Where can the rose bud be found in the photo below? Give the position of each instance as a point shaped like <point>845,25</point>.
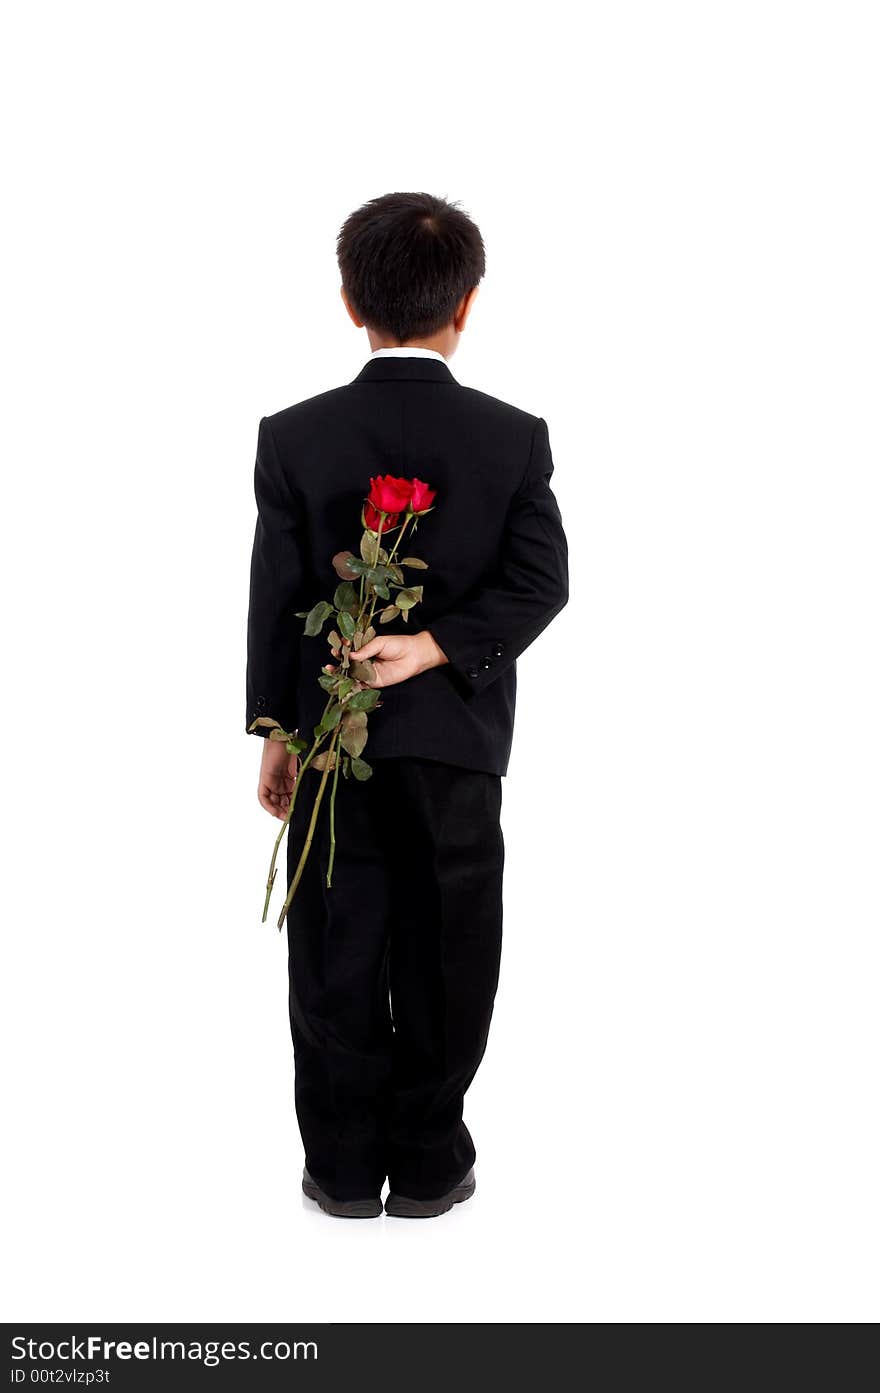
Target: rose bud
<point>373,519</point>
<point>421,497</point>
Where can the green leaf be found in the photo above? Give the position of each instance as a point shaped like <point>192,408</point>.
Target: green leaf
<point>265,723</point>
<point>316,617</point>
<point>346,766</point>
<point>278,735</point>
<point>327,680</point>
<point>322,760</point>
<point>346,624</point>
<point>345,687</point>
<point>341,565</point>
<point>302,614</point>
<point>345,596</point>
<point>405,599</point>
<point>388,613</point>
<point>368,634</point>
<point>416,562</point>
<point>299,745</point>
<point>363,672</point>
<point>364,701</point>
<point>382,591</point>
<point>353,741</point>
<point>354,732</point>
<point>361,770</point>
<point>330,719</point>
<point>396,574</point>
<point>333,639</point>
<point>405,616</point>
<point>368,549</point>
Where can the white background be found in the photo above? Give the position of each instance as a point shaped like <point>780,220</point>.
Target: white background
<point>677,1116</point>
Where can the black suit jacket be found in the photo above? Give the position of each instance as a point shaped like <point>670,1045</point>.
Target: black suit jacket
<point>494,544</point>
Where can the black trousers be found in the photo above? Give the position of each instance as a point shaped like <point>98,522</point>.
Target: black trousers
<point>393,973</point>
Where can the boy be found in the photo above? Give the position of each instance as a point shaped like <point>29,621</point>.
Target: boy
<point>393,971</point>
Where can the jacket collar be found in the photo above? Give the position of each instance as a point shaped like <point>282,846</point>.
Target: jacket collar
<point>404,369</point>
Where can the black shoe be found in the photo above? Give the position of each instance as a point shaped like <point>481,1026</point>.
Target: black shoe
<point>341,1209</point>
<point>400,1207</point>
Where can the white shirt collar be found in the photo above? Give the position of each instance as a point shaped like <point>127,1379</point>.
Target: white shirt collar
<point>405,352</point>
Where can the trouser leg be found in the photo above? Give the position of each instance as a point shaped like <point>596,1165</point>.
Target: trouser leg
<point>338,970</point>
<point>444,965</point>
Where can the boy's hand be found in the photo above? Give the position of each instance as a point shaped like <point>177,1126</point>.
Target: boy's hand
<point>399,656</point>
<point>278,774</point>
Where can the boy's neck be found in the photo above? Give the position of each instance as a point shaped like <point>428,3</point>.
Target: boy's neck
<point>444,342</point>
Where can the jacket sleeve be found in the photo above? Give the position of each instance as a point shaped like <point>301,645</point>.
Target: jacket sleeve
<point>498,620</point>
<point>276,583</point>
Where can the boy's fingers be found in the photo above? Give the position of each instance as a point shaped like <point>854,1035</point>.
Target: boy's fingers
<point>375,645</point>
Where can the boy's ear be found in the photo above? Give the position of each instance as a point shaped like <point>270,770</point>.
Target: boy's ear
<point>353,315</point>
<point>465,305</point>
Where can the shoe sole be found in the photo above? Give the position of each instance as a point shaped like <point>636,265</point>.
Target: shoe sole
<point>342,1209</point>
<point>400,1207</point>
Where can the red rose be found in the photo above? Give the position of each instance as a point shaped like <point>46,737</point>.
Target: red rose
<point>421,497</point>
<point>372,518</point>
<point>389,495</point>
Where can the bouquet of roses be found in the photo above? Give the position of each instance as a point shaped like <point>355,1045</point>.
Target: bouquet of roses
<point>373,580</point>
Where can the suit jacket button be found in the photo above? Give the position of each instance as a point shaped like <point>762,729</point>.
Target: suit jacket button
<point>472,671</point>
<point>498,650</point>
<point>485,661</point>
<point>261,703</point>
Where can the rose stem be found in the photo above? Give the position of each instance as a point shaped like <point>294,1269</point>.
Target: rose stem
<point>332,858</point>
<point>310,833</point>
<point>390,558</point>
<point>409,518</point>
<point>303,766</point>
<point>364,599</point>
